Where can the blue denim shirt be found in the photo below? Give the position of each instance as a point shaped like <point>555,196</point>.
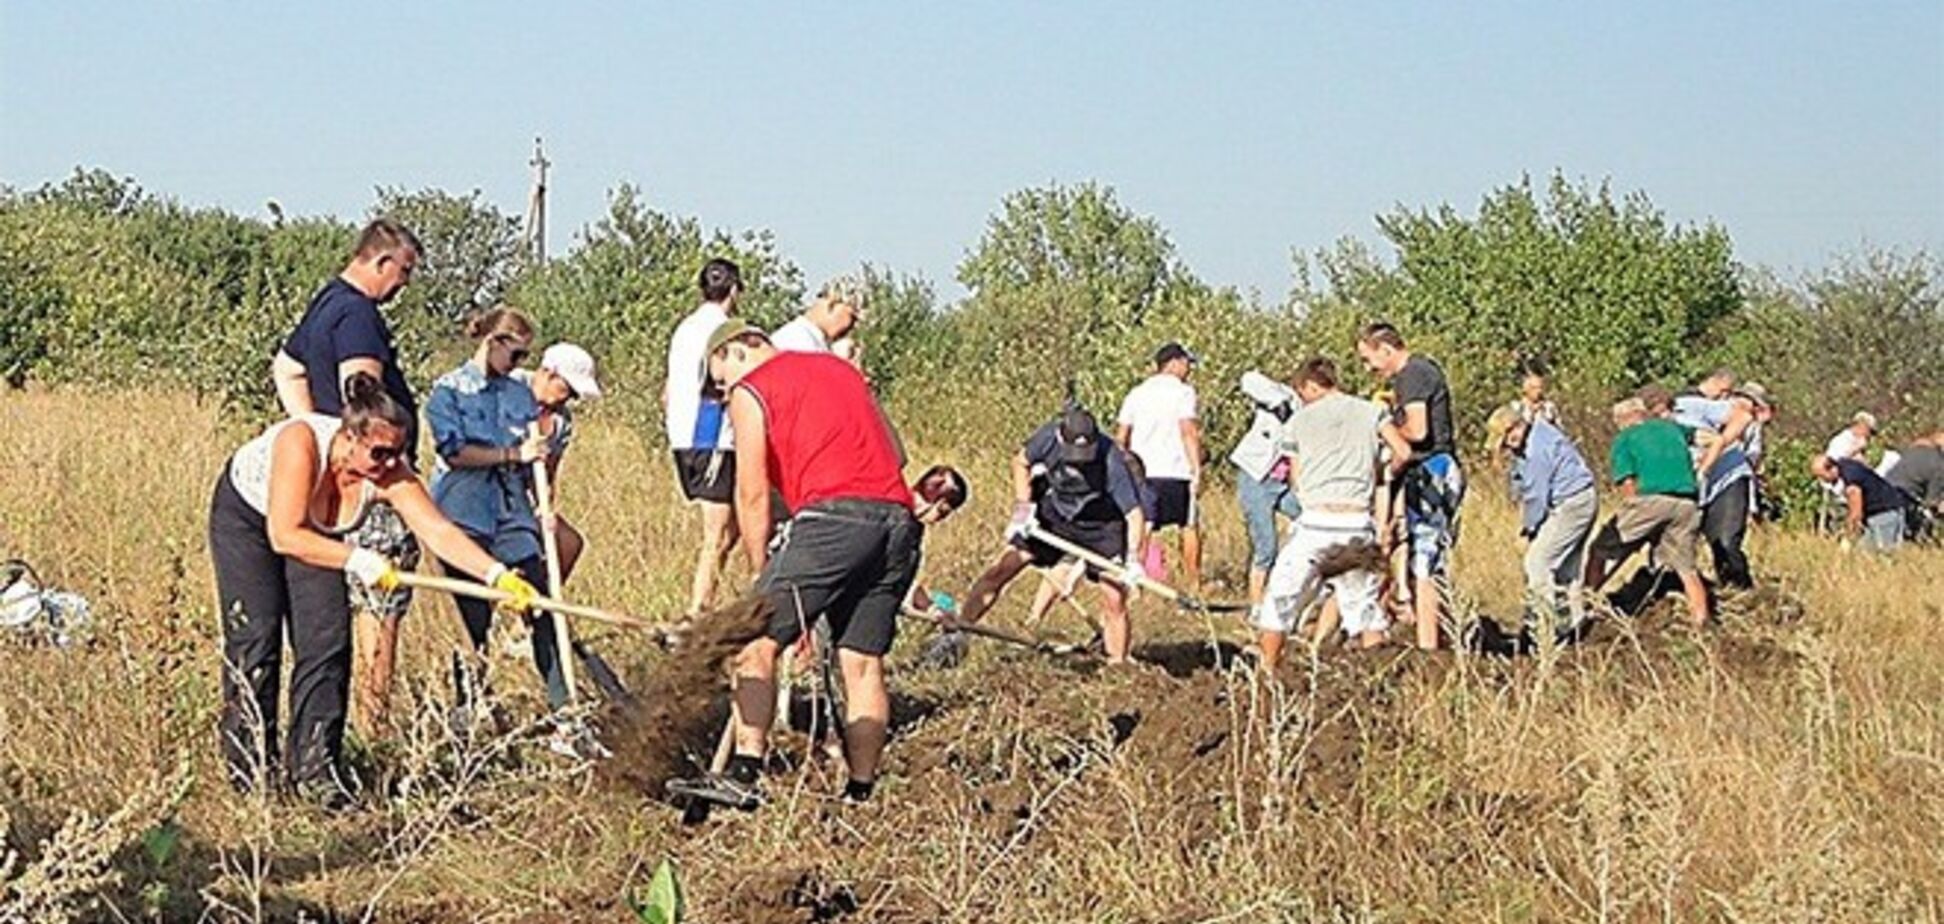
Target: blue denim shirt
<point>1550,470</point>
<point>493,505</point>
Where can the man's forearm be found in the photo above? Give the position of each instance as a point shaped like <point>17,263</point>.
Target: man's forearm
<point>752,516</point>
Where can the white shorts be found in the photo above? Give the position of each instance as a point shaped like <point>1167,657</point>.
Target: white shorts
<point>1290,591</point>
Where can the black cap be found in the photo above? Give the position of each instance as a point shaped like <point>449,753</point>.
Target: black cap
<point>1172,351</point>
<point>1079,436</point>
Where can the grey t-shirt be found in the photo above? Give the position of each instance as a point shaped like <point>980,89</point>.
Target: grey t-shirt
<point>1920,474</point>
<point>1336,440</point>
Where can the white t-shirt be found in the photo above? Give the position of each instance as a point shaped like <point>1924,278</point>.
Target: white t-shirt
<point>1844,445</point>
<point>1153,412</point>
<point>685,378</point>
<point>800,336</point>
<point>1336,439</point>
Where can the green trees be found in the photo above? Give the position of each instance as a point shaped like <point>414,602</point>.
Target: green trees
<point>1602,289</point>
<point>101,281</point>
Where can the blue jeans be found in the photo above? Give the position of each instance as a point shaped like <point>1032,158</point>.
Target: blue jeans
<point>1261,500</point>
<point>1883,531</point>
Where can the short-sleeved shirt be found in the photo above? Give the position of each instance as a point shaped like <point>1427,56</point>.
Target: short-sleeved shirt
<point>1101,491</point>
<point>1878,495</point>
<point>800,336</point>
<point>492,504</point>
<point>1846,444</point>
<point>1422,381</point>
<point>1920,474</point>
<point>1695,411</point>
<point>1336,440</point>
<point>694,421</point>
<point>1654,453</point>
<point>1153,412</point>
<point>340,324</point>
<point>827,438</point>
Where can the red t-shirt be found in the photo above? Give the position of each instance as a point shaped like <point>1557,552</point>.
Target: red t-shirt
<point>827,438</point>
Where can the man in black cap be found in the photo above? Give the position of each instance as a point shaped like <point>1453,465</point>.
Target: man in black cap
<point>1072,481</point>
<point>1160,423</point>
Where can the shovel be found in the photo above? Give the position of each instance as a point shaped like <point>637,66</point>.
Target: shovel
<point>1115,572</point>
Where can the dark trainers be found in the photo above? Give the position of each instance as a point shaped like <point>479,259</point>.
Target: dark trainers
<point>718,789</point>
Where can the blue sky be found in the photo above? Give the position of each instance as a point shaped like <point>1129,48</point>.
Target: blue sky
<point>889,132</point>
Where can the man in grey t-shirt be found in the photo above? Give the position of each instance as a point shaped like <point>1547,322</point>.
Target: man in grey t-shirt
<point>1337,439</point>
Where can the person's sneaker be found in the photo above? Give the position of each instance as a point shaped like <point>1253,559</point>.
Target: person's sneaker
<point>718,789</point>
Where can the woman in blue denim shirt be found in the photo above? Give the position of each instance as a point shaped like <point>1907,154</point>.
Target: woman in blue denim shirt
<point>479,415</point>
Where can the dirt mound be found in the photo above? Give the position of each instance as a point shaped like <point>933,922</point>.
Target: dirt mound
<point>670,726</point>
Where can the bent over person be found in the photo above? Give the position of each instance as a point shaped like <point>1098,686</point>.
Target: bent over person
<point>806,424</point>
<point>276,525</point>
<point>1073,482</point>
<point>1337,439</point>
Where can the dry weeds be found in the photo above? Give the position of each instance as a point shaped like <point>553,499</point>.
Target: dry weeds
<point>1788,765</point>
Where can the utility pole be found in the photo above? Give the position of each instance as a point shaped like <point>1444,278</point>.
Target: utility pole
<point>536,217</point>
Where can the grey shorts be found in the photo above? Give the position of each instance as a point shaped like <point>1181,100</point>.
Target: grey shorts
<point>851,561</point>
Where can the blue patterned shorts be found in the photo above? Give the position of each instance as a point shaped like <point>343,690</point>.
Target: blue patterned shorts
<point>1433,491</point>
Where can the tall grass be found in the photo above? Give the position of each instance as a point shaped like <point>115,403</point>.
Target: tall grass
<point>1788,765</point>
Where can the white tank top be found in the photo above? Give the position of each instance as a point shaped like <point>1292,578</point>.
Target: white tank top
<point>250,469</point>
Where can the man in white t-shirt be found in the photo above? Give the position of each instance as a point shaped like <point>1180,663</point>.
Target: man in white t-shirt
<point>826,325</point>
<point>1334,440</point>
<point>698,427</point>
<point>1160,423</point>
<point>1849,442</point>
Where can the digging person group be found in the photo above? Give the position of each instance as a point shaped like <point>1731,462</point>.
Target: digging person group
<point>783,451</point>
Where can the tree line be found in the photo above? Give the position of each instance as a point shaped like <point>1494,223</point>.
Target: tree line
<point>105,283</point>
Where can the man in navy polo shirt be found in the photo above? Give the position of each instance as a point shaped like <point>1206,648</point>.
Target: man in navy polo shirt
<point>341,334</point>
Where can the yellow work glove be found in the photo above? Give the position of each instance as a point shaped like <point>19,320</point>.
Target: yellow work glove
<point>523,593</point>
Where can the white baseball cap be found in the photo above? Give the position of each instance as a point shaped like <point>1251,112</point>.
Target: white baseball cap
<point>574,364</point>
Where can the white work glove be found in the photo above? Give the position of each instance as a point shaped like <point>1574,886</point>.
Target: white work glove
<point>1131,574</point>
<point>532,448</point>
<point>371,569</point>
<point>1022,521</point>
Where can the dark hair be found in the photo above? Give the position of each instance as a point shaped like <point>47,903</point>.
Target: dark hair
<point>1533,366</point>
<point>719,279</point>
<point>1318,371</point>
<point>1381,333</point>
<point>955,490</point>
<point>366,402</point>
<point>383,236</point>
<point>500,319</point>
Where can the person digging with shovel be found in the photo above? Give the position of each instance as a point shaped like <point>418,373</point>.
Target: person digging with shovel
<point>1338,438</point>
<point>808,424</point>
<point>277,523</point>
<point>1091,500</point>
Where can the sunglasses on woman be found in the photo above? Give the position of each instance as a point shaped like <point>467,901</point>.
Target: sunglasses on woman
<point>385,455</point>
<point>518,354</point>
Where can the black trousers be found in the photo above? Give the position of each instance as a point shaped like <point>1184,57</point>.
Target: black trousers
<point>1724,523</point>
<point>262,596</point>
<point>477,615</point>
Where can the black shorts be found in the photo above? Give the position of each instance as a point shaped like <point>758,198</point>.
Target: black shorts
<point>1108,540</point>
<point>852,561</point>
<point>706,474</point>
<point>1174,502</point>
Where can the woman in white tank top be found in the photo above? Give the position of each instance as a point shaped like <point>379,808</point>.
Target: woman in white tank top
<point>276,523</point>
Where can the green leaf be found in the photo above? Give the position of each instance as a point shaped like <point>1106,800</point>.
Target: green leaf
<point>663,903</point>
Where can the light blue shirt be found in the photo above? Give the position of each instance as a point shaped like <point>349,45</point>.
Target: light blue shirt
<point>1696,412</point>
<point>493,505</point>
<point>1548,471</point>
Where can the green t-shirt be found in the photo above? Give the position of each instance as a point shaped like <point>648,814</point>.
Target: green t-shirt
<point>1655,454</point>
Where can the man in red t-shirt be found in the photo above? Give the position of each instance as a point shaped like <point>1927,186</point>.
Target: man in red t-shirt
<point>807,424</point>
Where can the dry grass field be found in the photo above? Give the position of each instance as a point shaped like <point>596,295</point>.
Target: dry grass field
<point>1787,765</point>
